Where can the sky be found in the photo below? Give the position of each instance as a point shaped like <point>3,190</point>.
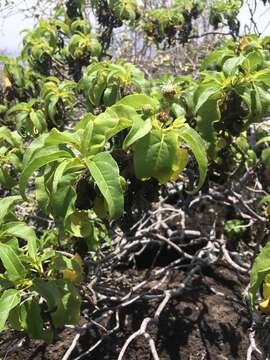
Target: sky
<point>10,33</point>
<point>11,37</point>
<point>261,17</point>
<point>11,27</point>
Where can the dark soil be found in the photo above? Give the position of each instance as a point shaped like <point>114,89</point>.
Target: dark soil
<point>210,321</point>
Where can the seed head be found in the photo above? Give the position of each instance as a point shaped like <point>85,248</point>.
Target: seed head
<point>147,108</point>
<point>169,90</point>
<point>163,117</point>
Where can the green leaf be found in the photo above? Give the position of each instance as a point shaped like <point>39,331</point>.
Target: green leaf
<point>125,115</point>
<point>38,120</point>
<point>107,124</point>
<point>6,204</point>
<point>216,58</point>
<point>56,137</point>
<point>9,137</point>
<point>256,104</point>
<point>157,155</point>
<point>104,170</point>
<point>13,265</point>
<point>263,140</point>
<point>139,129</point>
<point>137,101</point>
<point>96,91</point>
<point>266,158</point>
<point>110,95</point>
<point>51,107</point>
<point>207,116</point>
<point>104,125</point>
<point>48,291</point>
<point>79,224</point>
<point>231,65</point>
<point>198,148</point>
<point>9,299</point>
<point>87,138</point>
<point>63,301</point>
<point>58,174</point>
<point>69,305</point>
<point>24,232</point>
<point>83,122</point>
<point>6,180</point>
<point>32,322</point>
<point>34,146</point>
<point>263,76</point>
<point>260,268</point>
<point>62,201</point>
<point>42,196</point>
<point>204,94</point>
<point>71,268</point>
<point>253,61</point>
<point>40,158</point>
<point>263,201</point>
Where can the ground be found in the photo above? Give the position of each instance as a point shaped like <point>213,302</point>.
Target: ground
<point>210,321</point>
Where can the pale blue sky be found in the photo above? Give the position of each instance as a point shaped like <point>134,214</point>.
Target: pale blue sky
<point>10,37</point>
<point>12,25</point>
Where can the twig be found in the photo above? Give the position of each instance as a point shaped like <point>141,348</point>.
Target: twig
<point>72,347</point>
<point>147,321</point>
<point>252,347</point>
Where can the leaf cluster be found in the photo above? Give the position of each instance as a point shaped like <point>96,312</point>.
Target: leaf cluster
<point>71,148</point>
